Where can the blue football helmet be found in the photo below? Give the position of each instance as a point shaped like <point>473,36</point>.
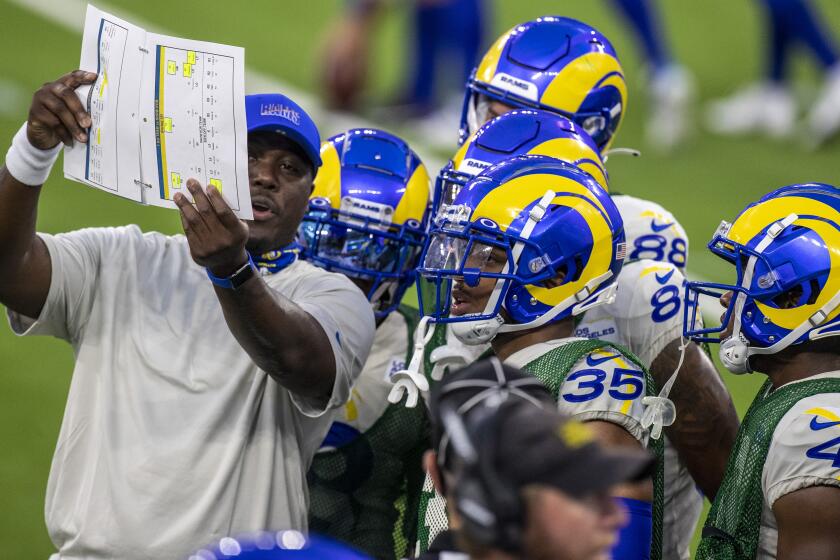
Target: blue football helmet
<point>553,63</point>
<point>519,132</point>
<point>786,253</point>
<point>368,213</point>
<point>548,218</point>
<point>282,545</point>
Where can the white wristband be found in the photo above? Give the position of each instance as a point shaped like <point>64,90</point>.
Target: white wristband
<point>28,164</point>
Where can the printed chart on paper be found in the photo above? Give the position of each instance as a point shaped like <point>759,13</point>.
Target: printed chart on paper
<point>194,102</point>
<point>112,44</point>
<point>163,110</point>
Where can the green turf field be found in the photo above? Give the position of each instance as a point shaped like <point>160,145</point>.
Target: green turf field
<point>709,179</point>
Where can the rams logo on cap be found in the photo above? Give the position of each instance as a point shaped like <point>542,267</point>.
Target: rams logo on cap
<point>280,110</point>
<point>574,434</point>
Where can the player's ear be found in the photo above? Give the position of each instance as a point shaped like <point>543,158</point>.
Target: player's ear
<point>557,280</point>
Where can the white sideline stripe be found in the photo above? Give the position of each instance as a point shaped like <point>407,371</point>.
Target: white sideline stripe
<point>70,14</point>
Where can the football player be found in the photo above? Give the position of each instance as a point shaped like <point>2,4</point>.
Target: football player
<point>645,315</point>
<point>670,85</point>
<point>581,78</point>
<point>518,132</point>
<point>524,248</point>
<point>367,219</point>
<point>553,63</point>
<point>780,497</point>
<point>769,106</point>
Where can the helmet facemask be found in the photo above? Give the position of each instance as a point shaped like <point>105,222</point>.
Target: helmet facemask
<point>447,186</point>
<point>761,287</point>
<point>366,248</point>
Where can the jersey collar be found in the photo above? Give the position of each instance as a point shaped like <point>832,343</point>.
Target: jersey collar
<point>273,262</point>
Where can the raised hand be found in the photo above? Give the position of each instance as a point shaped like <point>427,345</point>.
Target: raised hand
<point>216,236</point>
<point>56,114</point>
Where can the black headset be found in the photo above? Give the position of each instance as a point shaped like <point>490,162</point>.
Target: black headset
<point>490,505</point>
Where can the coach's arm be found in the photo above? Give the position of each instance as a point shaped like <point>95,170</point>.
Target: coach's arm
<point>55,116</point>
<point>283,340</point>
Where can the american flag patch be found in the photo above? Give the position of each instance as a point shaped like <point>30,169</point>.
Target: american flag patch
<point>621,252</point>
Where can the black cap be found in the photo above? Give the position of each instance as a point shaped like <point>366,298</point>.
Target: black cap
<point>539,446</point>
<point>509,417</point>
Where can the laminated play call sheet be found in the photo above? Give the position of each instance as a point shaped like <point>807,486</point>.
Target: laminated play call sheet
<point>163,110</point>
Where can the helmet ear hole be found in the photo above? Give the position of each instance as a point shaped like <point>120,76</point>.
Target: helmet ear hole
<point>790,298</point>
<point>559,279</point>
<point>802,294</point>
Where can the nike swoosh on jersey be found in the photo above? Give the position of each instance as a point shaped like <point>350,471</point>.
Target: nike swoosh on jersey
<point>817,426</point>
<point>665,277</point>
<point>592,361</point>
<point>659,227</point>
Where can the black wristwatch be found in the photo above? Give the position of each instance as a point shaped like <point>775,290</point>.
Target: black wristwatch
<point>235,280</point>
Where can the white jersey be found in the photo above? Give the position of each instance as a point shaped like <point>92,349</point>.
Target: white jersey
<point>172,438</point>
<point>804,452</point>
<point>647,315</point>
<point>651,232</point>
<point>369,395</point>
<point>600,386</point>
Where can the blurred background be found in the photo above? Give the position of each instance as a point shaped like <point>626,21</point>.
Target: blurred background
<point>706,177</point>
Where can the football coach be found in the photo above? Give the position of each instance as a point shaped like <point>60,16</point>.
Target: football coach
<point>205,364</point>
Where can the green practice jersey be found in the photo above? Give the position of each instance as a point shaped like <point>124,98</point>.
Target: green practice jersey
<point>365,482</point>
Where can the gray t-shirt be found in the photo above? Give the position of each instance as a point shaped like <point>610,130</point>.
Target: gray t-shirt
<point>171,436</point>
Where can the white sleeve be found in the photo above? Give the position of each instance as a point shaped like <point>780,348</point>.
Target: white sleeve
<point>346,316</point>
<point>805,450</point>
<point>605,386</point>
<point>648,308</point>
<point>76,261</point>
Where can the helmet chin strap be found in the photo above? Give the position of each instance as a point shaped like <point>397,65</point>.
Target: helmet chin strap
<point>411,381</point>
<point>735,351</point>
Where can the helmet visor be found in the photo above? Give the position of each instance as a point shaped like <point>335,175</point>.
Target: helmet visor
<point>358,250</point>
<point>454,255</point>
<point>449,185</point>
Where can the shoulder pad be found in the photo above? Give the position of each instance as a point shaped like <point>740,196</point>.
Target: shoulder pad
<point>805,450</point>
<point>641,284</point>
<point>651,231</point>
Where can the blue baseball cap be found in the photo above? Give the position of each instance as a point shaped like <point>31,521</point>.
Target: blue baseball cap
<point>275,111</point>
